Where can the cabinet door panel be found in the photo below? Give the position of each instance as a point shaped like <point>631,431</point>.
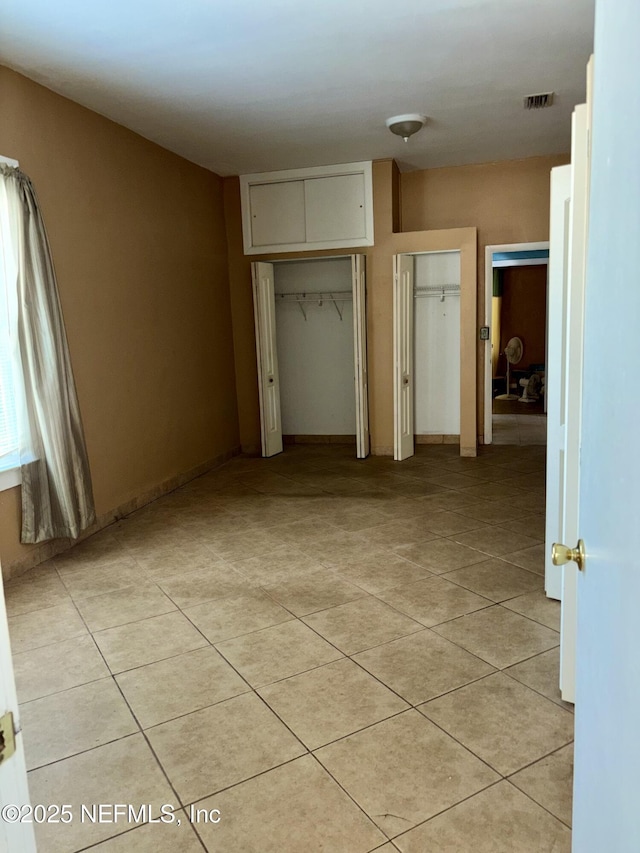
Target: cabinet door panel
<point>277,213</point>
<point>335,208</point>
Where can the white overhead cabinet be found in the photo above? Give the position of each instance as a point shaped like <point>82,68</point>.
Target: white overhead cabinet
<point>328,207</point>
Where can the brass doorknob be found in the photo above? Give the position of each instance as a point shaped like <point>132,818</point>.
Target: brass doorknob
<point>560,554</point>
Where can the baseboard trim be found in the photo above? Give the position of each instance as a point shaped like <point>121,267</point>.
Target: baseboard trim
<point>437,438</point>
<point>319,439</point>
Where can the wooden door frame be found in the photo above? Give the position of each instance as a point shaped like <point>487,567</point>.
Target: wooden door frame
<point>488,295</point>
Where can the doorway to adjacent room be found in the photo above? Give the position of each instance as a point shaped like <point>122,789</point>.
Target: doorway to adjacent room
<point>515,363</point>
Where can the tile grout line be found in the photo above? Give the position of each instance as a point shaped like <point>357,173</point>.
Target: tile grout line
<point>366,593</point>
<point>452,806</point>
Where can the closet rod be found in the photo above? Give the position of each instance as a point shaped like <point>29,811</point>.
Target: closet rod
<point>442,291</point>
<point>334,296</point>
<point>438,288</point>
<point>318,298</point>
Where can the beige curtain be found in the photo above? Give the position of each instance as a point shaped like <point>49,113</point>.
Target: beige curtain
<point>57,497</point>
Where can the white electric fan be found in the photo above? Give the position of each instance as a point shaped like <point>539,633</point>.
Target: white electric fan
<point>513,353</point>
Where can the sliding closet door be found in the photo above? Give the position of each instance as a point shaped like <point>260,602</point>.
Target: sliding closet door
<point>264,311</point>
<point>360,355</point>
<point>403,276</point>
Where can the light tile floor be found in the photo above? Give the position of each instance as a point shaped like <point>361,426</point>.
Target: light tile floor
<point>338,655</point>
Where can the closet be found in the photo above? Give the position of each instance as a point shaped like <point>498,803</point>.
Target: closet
<point>426,349</point>
<point>311,345</point>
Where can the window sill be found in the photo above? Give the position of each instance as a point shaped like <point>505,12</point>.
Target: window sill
<point>9,478</point>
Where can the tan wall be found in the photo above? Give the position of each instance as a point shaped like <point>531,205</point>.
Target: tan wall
<point>507,202</point>
<point>379,310</point>
<point>139,244</point>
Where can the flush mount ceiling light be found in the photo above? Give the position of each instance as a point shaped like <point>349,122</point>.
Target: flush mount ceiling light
<point>406,125</point>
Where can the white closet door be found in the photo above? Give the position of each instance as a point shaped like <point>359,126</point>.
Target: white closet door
<point>360,355</point>
<point>264,310</point>
<point>403,276</point>
<point>555,391</point>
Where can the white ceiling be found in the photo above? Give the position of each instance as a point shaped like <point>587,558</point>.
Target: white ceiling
<point>253,85</point>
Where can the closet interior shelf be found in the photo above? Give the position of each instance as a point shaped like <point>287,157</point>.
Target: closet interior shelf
<point>440,290</point>
<point>336,298</point>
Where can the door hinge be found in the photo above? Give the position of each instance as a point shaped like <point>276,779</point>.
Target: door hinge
<point>7,737</point>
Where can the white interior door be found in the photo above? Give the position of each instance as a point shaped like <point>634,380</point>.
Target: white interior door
<point>607,749</point>
<point>578,222</point>
<point>360,355</point>
<point>555,391</point>
<point>403,384</point>
<point>15,837</point>
<point>264,310</point>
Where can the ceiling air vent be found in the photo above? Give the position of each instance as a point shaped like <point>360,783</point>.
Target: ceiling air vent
<point>538,102</point>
